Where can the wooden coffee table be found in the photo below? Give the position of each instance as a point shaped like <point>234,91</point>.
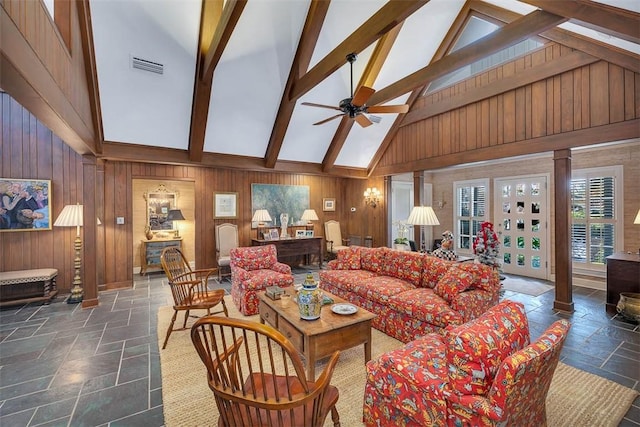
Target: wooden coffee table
<point>319,338</point>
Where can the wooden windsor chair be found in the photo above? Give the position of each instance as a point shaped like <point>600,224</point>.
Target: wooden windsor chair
<point>189,288</point>
<point>257,376</point>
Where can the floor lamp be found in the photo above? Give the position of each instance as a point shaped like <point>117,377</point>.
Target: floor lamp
<point>422,215</point>
<point>71,216</point>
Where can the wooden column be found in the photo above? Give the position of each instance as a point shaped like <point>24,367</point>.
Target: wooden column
<point>562,199</point>
<point>89,231</point>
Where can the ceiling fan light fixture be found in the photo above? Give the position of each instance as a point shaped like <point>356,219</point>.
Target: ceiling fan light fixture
<point>355,107</point>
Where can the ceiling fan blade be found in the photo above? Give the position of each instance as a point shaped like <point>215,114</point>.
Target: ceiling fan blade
<point>311,104</point>
<point>362,95</point>
<point>388,108</point>
<point>363,120</point>
<point>329,119</point>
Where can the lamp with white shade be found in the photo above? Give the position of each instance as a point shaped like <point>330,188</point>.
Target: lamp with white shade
<point>309,215</point>
<point>71,216</point>
<point>422,215</point>
<point>261,216</point>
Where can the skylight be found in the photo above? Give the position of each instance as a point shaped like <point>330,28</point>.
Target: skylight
<point>475,29</point>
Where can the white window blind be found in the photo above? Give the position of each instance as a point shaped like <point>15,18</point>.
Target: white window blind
<point>595,228</point>
<point>470,208</point>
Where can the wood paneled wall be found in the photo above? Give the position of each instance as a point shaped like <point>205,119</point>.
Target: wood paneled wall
<point>508,118</point>
<point>122,242</point>
<point>28,150</point>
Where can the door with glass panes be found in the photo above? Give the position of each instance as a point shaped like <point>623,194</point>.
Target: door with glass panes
<point>521,215</point>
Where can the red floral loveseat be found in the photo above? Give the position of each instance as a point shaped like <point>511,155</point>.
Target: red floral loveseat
<point>482,373</point>
<point>253,269</point>
<point>412,294</point>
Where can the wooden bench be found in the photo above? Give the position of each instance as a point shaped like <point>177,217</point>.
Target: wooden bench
<point>23,286</point>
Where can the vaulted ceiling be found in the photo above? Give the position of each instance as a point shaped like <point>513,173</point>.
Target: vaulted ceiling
<point>234,73</point>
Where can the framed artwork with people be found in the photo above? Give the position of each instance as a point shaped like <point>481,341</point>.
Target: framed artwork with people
<point>24,204</point>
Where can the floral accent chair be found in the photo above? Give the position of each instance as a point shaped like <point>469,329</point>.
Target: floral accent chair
<point>481,373</point>
<point>252,270</point>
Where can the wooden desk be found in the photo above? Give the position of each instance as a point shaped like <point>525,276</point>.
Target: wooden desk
<point>294,247</point>
<point>623,275</point>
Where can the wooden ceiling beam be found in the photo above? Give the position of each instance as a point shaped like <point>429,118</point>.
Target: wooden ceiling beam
<point>368,78</point>
<point>91,72</point>
<point>308,39</point>
<point>596,48</point>
<point>390,15</point>
<point>446,45</point>
<point>621,131</point>
<point>520,29</point>
<point>211,45</point>
<point>125,152</point>
<point>568,62</point>
<point>611,20</point>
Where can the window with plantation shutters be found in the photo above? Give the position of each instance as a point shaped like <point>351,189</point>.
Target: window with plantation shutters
<point>471,211</point>
<point>595,194</point>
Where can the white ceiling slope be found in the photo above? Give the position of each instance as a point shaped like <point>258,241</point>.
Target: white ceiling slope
<point>144,108</point>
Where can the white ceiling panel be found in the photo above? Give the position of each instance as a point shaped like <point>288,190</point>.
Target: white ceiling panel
<point>141,107</point>
<point>249,80</point>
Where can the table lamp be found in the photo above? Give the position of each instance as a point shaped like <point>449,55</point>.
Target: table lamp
<point>175,215</point>
<point>71,216</point>
<point>422,215</point>
<point>309,215</point>
<point>261,216</point>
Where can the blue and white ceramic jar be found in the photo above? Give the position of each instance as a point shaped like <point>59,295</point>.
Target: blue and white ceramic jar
<point>310,299</point>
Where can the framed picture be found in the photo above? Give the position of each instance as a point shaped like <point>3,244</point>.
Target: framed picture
<point>329,205</point>
<point>300,233</point>
<point>273,234</point>
<point>25,204</point>
<point>266,235</point>
<point>308,233</point>
<point>225,205</point>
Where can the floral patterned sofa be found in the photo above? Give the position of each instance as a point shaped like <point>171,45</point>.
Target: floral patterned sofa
<point>253,269</point>
<point>482,373</point>
<point>412,294</point>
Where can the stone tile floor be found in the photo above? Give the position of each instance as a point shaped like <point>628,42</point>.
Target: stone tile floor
<point>64,366</point>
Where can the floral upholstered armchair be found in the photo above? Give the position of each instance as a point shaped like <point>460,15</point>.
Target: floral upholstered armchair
<point>482,373</point>
<point>252,270</point>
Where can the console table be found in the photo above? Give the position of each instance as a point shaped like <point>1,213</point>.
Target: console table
<point>623,275</point>
<point>294,247</point>
<point>151,250</point>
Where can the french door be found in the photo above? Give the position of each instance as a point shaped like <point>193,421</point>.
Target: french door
<point>521,212</point>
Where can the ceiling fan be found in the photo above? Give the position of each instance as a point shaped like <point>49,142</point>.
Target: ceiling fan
<point>356,106</point>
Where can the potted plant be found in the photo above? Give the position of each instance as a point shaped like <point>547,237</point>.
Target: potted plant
<point>401,242</point>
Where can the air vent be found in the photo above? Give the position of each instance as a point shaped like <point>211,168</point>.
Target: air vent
<point>146,65</point>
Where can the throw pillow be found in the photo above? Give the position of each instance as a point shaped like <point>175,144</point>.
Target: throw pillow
<point>484,277</point>
<point>476,349</point>
<point>453,282</point>
<point>349,259</point>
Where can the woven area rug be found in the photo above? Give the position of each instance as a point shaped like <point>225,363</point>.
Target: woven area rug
<point>576,398</point>
<point>526,285</point>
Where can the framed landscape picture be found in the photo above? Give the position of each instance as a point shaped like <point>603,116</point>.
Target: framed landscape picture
<point>24,204</point>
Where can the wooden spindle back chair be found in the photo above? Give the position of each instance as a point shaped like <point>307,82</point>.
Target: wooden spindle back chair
<point>189,288</point>
<point>257,376</point>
